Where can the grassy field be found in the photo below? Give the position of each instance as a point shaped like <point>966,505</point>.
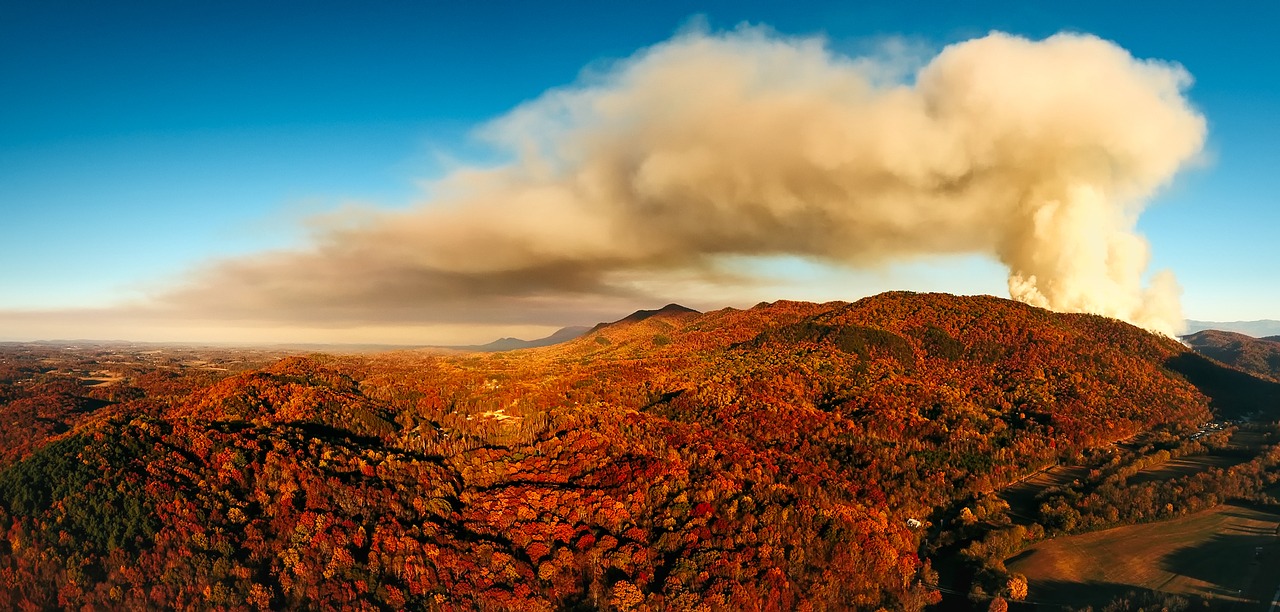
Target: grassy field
<point>1021,497</point>
<point>1185,466</point>
<point>1211,555</point>
<point>1244,444</point>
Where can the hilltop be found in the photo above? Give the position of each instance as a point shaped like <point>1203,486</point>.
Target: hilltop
<point>793,453</point>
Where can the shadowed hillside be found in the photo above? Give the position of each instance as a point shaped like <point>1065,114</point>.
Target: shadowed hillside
<point>1258,356</point>
<point>1234,393</point>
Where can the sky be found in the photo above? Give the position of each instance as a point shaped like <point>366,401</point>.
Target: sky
<point>164,166</point>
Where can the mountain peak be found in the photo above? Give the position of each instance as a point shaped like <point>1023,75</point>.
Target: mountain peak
<point>668,310</point>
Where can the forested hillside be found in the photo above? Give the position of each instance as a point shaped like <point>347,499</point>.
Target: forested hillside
<point>789,456</point>
<point>1258,356</point>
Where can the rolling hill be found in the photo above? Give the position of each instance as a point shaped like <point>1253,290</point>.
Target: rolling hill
<point>1258,356</point>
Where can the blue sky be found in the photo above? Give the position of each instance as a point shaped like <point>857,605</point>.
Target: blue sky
<point>141,139</point>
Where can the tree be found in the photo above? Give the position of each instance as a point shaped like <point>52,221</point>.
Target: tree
<point>1017,587</point>
<point>626,596</point>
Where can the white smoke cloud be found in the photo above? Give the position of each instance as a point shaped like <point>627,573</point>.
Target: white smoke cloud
<point>706,147</point>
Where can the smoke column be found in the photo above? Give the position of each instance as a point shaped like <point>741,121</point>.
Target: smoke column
<point>1040,154</point>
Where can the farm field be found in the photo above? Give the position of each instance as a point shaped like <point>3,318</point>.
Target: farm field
<point>1244,444</point>
<point>1185,466</point>
<point>1021,496</point>
<point>1210,555</point>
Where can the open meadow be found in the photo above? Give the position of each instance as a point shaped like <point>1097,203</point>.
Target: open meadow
<point>1209,555</point>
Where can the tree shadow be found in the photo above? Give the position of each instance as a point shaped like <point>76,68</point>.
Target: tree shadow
<point>1059,595</point>
<point>1020,556</point>
<point>1225,561</point>
<point>335,436</point>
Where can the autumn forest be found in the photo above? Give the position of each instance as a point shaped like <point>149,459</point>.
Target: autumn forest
<point>898,452</point>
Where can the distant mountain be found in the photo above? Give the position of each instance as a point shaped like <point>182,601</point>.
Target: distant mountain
<point>564,334</point>
<point>1257,329</point>
<point>670,312</point>
<point>1260,356</point>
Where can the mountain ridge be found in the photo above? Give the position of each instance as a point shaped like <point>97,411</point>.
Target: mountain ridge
<point>1258,356</point>
<point>1259,328</point>
<point>563,334</point>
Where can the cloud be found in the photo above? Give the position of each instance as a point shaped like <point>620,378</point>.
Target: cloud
<point>707,148</point>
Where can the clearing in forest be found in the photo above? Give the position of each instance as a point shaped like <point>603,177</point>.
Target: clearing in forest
<point>1212,554</point>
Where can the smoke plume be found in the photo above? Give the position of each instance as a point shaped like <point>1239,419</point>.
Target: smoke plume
<point>706,147</point>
